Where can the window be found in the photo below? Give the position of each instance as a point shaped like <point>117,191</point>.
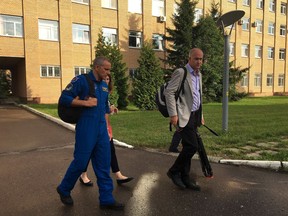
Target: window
<point>259,4</point>
<point>257,80</point>
<point>81,33</point>
<point>281,80</point>
<point>271,28</point>
<point>283,9</point>
<point>81,70</point>
<point>158,43</point>
<point>272,6</point>
<point>109,4</point>
<point>158,8</point>
<point>50,71</point>
<point>245,25</point>
<point>270,52</point>
<point>269,79</point>
<point>110,36</point>
<point>11,26</point>
<point>244,50</point>
<point>135,39</point>
<point>135,6</point>
<point>198,14</point>
<point>48,30</point>
<point>259,26</point>
<point>175,9</point>
<point>233,1</point>
<point>132,72</point>
<point>282,54</point>
<point>246,2</point>
<point>282,30</point>
<point>258,51</point>
<point>232,49</point>
<point>81,1</point>
<point>244,81</point>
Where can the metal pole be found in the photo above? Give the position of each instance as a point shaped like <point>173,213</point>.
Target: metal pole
<point>225,84</point>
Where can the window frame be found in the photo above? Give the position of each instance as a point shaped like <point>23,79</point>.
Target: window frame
<point>272,6</point>
<point>283,30</point>
<point>260,4</point>
<point>269,80</point>
<point>112,38</point>
<point>158,8</point>
<point>161,45</point>
<point>81,69</point>
<point>85,39</point>
<point>132,9</point>
<point>257,79</point>
<point>16,22</point>
<point>271,28</point>
<point>111,4</point>
<point>258,51</point>
<point>138,35</point>
<point>282,54</point>
<point>283,8</point>
<point>270,52</point>
<point>50,71</point>
<point>81,1</point>
<point>281,79</point>
<point>47,27</point>
<point>245,50</point>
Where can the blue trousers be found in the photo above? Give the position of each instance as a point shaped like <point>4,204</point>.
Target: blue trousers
<point>92,142</point>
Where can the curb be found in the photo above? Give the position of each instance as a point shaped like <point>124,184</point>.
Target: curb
<point>67,125</point>
<point>274,165</point>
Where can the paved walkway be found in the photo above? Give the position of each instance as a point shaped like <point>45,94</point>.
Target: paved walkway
<point>35,153</point>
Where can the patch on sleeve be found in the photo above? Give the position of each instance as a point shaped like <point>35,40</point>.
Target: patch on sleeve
<point>74,79</point>
<point>105,89</point>
<point>69,87</point>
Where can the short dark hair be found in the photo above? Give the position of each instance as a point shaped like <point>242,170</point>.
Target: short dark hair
<point>99,61</point>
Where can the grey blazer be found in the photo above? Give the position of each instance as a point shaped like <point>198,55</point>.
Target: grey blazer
<point>183,106</point>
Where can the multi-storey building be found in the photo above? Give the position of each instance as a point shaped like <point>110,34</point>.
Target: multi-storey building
<point>45,43</point>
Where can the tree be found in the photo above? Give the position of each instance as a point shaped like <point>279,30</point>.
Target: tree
<point>118,70</point>
<point>5,83</point>
<point>207,37</point>
<point>148,78</point>
<point>180,37</point>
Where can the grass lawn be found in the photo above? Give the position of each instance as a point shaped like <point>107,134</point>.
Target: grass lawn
<point>257,128</point>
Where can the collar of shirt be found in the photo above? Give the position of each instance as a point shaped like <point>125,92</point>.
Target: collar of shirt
<point>192,71</point>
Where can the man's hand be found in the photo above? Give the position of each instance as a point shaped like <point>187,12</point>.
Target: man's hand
<point>174,120</point>
<point>91,102</point>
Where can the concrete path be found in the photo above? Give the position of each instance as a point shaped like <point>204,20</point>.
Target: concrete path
<point>35,153</point>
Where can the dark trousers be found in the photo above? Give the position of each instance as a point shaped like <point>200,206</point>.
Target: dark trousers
<point>190,146</point>
<point>114,161</point>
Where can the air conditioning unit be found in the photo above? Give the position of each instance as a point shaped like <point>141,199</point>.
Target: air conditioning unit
<point>240,22</point>
<point>254,24</point>
<point>162,18</point>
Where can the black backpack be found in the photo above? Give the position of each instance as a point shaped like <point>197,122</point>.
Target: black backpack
<point>72,114</point>
<point>160,98</point>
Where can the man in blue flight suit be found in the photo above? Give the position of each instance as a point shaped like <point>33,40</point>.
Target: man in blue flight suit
<point>91,139</point>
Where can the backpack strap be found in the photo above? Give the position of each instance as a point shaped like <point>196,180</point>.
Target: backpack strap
<point>182,84</point>
<point>91,86</point>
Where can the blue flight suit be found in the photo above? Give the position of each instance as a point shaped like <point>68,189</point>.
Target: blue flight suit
<point>91,139</point>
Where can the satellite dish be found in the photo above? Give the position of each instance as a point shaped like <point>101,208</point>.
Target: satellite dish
<point>230,18</point>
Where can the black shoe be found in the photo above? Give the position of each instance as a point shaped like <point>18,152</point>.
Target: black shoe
<point>89,184</point>
<point>176,178</point>
<point>122,181</point>
<point>66,200</point>
<point>114,206</point>
<point>191,184</point>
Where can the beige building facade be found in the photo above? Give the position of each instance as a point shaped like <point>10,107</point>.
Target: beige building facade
<point>45,43</point>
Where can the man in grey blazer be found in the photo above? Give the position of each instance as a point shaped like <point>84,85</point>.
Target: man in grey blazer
<point>186,115</point>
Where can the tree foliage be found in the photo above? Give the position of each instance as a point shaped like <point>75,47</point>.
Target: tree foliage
<point>180,37</point>
<point>118,71</point>
<point>5,84</point>
<point>148,78</point>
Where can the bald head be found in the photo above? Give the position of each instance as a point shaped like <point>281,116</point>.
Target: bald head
<point>195,58</point>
